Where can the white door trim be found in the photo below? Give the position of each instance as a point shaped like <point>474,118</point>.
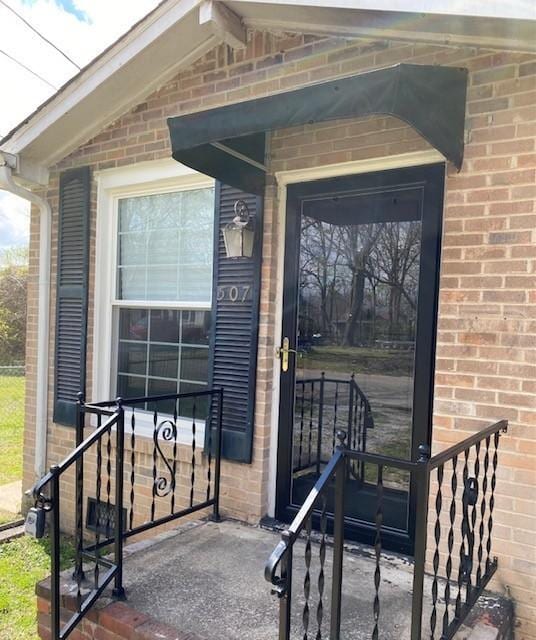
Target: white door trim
<point>284,178</point>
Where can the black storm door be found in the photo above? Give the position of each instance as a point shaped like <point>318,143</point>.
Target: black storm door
<point>359,318</point>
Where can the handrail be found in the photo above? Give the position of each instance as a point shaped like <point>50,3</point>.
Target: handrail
<point>111,520</point>
<point>75,455</point>
<point>143,399</point>
<point>460,447</point>
<point>293,531</point>
<point>377,459</point>
<point>453,588</point>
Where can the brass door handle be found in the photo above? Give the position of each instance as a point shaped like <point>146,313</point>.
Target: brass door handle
<point>282,353</point>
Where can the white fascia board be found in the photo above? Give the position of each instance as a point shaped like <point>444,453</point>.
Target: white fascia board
<point>514,10</point>
<point>97,72</point>
<point>442,29</point>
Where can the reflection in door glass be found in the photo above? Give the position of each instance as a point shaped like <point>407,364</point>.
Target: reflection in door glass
<point>357,312</point>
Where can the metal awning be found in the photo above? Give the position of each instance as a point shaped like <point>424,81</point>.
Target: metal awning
<point>228,143</point>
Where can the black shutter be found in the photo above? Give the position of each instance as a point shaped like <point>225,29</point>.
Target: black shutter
<point>72,293</point>
<point>235,320</point>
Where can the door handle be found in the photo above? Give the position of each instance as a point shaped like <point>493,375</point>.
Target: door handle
<point>282,353</point>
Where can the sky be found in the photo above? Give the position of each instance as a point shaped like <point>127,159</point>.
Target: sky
<point>80,28</point>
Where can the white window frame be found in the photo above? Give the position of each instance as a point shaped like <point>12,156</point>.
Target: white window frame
<point>145,178</point>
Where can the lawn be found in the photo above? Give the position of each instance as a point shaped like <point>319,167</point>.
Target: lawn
<point>360,360</point>
<point>23,562</point>
<point>12,391</point>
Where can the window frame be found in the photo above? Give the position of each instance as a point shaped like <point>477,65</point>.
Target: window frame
<point>146,178</point>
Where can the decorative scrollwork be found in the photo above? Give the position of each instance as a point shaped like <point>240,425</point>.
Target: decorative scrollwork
<point>167,432</point>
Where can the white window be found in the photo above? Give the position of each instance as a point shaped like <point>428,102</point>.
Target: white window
<point>153,283</point>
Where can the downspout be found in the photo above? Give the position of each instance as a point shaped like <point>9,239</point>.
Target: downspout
<point>7,183</point>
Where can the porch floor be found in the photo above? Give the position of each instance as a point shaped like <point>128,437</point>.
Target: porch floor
<point>207,579</point>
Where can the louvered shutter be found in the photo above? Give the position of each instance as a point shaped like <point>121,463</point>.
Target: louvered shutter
<point>72,293</point>
<point>236,294</point>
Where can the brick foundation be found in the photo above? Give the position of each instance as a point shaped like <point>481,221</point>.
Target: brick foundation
<point>107,621</point>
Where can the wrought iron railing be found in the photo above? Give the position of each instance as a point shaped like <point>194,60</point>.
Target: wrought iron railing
<point>323,406</point>
<point>135,483</point>
<point>461,566</point>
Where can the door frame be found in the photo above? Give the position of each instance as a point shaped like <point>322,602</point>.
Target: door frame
<point>430,175</point>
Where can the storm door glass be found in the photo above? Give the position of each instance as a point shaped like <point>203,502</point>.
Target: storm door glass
<point>358,285</point>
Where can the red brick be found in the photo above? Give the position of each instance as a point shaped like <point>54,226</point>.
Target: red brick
<point>121,619</point>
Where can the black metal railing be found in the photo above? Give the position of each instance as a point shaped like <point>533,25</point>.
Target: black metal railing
<point>323,406</point>
<point>462,563</point>
<point>147,462</point>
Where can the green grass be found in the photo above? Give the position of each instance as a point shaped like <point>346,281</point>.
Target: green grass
<point>7,516</point>
<point>12,392</point>
<point>362,360</point>
<point>23,562</point>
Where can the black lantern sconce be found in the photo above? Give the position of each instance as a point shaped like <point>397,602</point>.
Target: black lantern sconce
<point>239,234</point>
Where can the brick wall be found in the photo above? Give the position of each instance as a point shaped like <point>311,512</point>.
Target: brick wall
<point>486,354</point>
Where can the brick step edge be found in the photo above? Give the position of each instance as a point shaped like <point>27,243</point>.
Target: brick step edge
<point>107,620</point>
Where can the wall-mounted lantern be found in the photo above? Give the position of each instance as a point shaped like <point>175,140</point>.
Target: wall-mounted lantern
<point>238,235</point>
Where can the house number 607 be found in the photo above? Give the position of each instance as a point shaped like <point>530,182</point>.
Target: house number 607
<point>233,293</point>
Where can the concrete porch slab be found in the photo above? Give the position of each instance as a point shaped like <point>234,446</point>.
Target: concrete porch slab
<point>207,579</point>
<point>204,581</point>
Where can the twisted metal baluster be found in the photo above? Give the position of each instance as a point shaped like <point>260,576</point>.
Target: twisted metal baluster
<point>108,481</point>
<point>132,467</point>
<point>311,416</point>
<point>450,542</point>
<point>192,475</point>
<point>209,458</point>
<point>307,579</point>
<point>377,551</point>
<point>473,526</point>
<point>174,466</point>
<point>321,577</point>
<point>335,418</point>
<point>97,504</point>
<point>359,424</point>
<point>481,530</point>
<point>79,570</point>
<point>492,499</point>
<point>302,421</point>
<point>154,489</point>
<point>465,534</point>
<point>437,538</point>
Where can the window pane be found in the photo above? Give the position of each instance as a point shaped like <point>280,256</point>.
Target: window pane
<point>163,361</point>
<point>188,406</point>
<point>132,283</point>
<point>130,387</point>
<point>163,210</point>
<point>157,348</point>
<point>133,324</point>
<point>195,327</point>
<point>161,283</point>
<point>132,249</point>
<point>162,388</point>
<point>132,215</point>
<point>133,358</point>
<point>195,284</point>
<point>194,363</point>
<point>164,325</point>
<point>165,246</point>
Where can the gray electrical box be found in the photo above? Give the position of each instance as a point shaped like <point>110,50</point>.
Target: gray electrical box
<point>35,522</point>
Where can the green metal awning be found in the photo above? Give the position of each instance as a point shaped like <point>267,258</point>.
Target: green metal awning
<point>228,143</point>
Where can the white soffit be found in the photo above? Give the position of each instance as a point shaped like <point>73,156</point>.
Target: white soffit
<point>514,9</point>
<point>141,61</point>
<point>500,25</point>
